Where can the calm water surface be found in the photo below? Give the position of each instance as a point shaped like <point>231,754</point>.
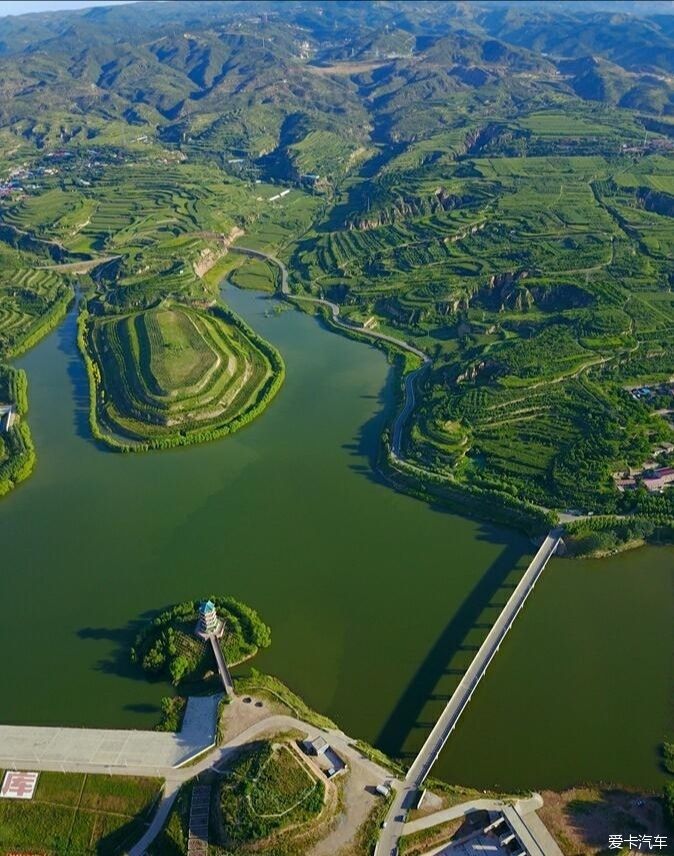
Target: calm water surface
<point>376,600</point>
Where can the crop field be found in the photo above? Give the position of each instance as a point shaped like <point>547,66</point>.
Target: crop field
<point>175,370</point>
<point>158,218</point>
<point>77,813</point>
<point>522,235</point>
<point>268,790</point>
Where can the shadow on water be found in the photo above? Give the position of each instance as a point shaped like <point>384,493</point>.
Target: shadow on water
<point>119,661</point>
<point>143,707</point>
<point>365,445</point>
<point>77,376</point>
<point>406,715</point>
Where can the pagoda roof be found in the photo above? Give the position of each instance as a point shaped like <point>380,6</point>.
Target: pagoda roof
<point>207,606</point>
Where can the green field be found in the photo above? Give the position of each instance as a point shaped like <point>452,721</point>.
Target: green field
<point>267,791</point>
<point>74,813</point>
<point>176,373</point>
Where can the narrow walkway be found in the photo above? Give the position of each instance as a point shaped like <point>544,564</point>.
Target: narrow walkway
<point>160,817</point>
<point>521,817</point>
<point>429,752</point>
<point>225,676</point>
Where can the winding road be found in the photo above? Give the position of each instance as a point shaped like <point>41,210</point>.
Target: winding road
<point>410,377</point>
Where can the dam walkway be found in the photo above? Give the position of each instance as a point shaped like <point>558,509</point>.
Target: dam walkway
<point>446,722</point>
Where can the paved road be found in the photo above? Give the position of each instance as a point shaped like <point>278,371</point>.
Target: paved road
<point>160,817</point>
<point>523,807</point>
<point>221,757</point>
<point>408,407</point>
<point>447,720</point>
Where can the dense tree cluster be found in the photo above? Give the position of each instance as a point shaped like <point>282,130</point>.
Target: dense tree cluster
<point>167,645</point>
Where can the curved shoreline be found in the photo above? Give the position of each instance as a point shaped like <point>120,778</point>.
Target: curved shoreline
<point>459,496</point>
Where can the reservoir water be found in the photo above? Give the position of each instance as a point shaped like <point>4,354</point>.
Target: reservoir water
<point>376,600</point>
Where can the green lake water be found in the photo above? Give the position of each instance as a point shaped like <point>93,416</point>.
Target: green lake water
<point>376,600</point>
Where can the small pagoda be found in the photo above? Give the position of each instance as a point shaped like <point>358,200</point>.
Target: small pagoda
<point>208,623</point>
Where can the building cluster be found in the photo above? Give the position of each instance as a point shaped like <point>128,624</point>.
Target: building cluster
<point>17,181</point>
<point>654,476</point>
<point>655,144</point>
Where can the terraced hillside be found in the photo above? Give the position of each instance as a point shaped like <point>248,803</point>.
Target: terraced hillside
<point>175,375</point>
<point>480,182</point>
<point>32,300</point>
<point>537,277</point>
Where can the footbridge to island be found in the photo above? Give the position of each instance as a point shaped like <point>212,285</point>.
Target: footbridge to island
<point>223,670</point>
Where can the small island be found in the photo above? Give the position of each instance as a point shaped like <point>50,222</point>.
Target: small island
<point>175,644</point>
<point>174,375</point>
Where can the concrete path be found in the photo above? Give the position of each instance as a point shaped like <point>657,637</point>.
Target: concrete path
<point>45,748</point>
<point>160,817</point>
<point>221,757</point>
<point>523,807</point>
<point>452,813</point>
<point>521,816</point>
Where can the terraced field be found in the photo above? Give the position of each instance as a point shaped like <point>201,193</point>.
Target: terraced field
<point>175,375</point>
<point>31,301</point>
